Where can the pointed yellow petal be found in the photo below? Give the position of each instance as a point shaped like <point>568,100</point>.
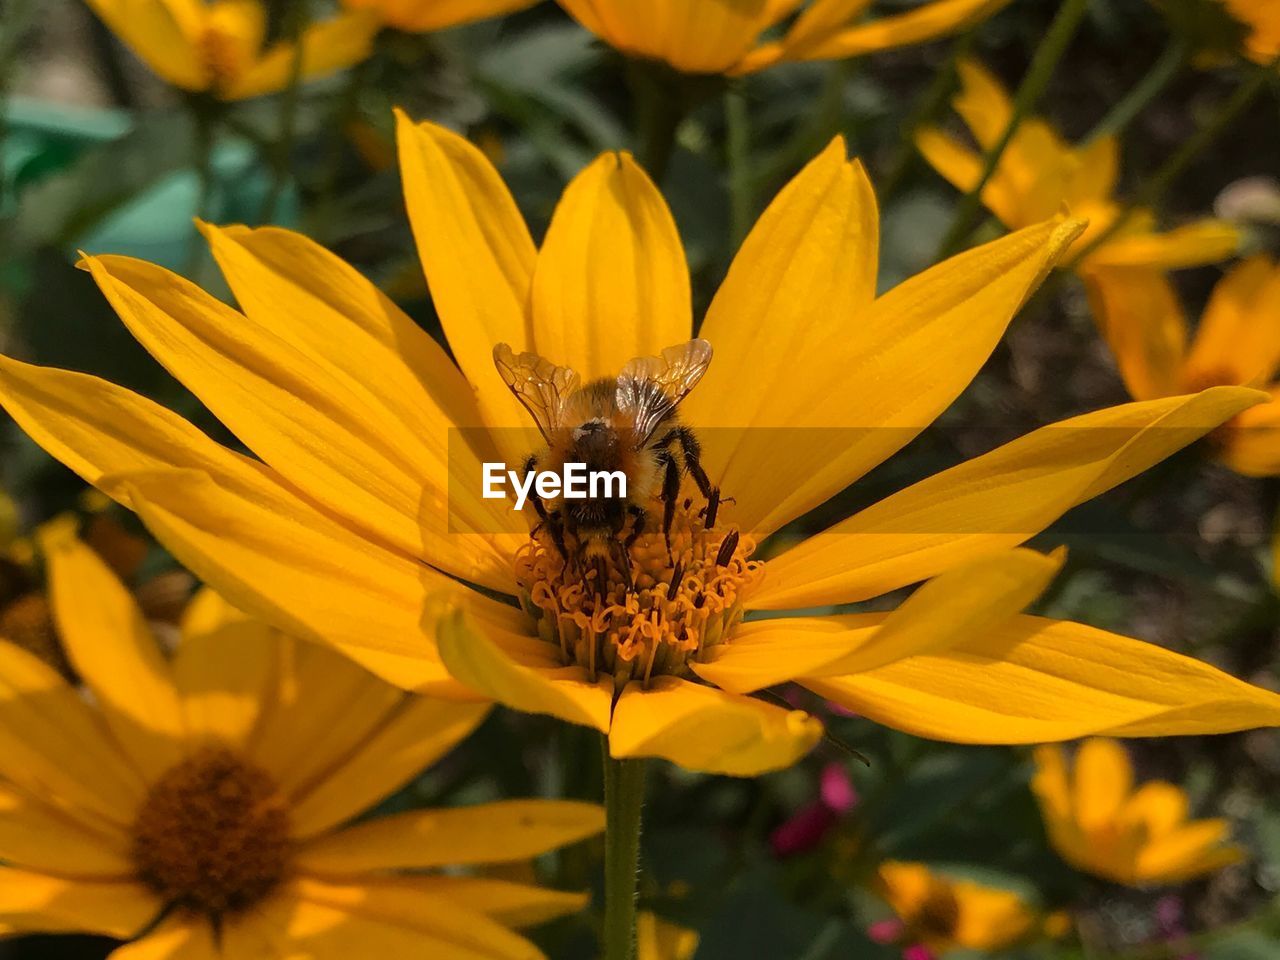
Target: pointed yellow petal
<point>477,255</point>
<point>180,936</point>
<point>339,921</point>
<point>1035,680</point>
<point>1189,851</point>
<point>735,735</point>
<point>926,22</point>
<point>1050,783</point>
<point>611,282</point>
<point>54,747</point>
<point>1142,321</point>
<point>1233,341</point>
<point>307,309</point>
<point>421,732</point>
<point>112,648</point>
<point>521,672</point>
<point>1250,444</point>
<point>1194,245</point>
<point>35,903</point>
<point>1101,782</point>
<point>993,502</point>
<point>327,47</point>
<point>36,836</point>
<point>500,832</point>
<point>982,102</point>
<point>818,21</point>
<point>511,904</point>
<point>912,353</point>
<point>414,16</point>
<point>222,669</point>
<point>151,30</point>
<point>1156,808</point>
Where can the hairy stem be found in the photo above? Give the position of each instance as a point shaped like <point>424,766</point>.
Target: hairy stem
<point>623,799</point>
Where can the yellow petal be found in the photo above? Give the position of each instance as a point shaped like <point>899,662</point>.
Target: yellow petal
<point>1233,342</point>
<point>611,281</point>
<point>500,832</point>
<point>38,837</point>
<point>414,737</point>
<point>477,255</point>
<point>1050,782</point>
<point>1142,321</point>
<point>54,747</point>
<point>1206,241</point>
<point>992,502</point>
<point>374,442</point>
<point>1250,444</point>
<point>959,606</point>
<point>735,735</point>
<point>763,653</point>
<point>1035,680</point>
<point>327,47</point>
<point>222,669</point>
<point>511,904</point>
<point>180,936</point>
<point>162,40</point>
<point>36,903</point>
<point>112,648</point>
<point>818,21</point>
<point>330,921</point>
<point>1101,782</point>
<point>521,672</point>
<point>913,352</point>
<point>982,102</point>
<point>414,16</point>
<point>927,22</point>
<point>1192,850</point>
<point>1156,807</point>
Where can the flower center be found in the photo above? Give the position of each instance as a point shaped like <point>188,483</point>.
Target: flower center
<point>222,55</point>
<point>677,606</point>
<point>213,834</point>
<point>28,623</point>
<point>939,915</point>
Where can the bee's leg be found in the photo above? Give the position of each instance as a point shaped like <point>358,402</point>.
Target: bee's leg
<point>691,451</point>
<point>639,517</point>
<point>555,526</point>
<point>670,495</point>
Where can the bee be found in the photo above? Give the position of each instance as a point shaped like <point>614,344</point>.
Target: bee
<point>626,423</point>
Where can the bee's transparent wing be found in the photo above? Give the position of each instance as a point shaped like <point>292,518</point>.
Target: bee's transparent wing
<point>650,388</point>
<point>538,384</point>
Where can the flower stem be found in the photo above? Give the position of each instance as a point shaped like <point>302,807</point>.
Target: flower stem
<point>1146,90</point>
<point>1043,64</point>
<point>300,15</point>
<point>1164,178</point>
<point>659,109</point>
<point>623,799</point>
<point>738,147</point>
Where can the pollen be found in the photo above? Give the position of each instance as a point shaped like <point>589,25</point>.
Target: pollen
<point>677,606</point>
<point>212,835</point>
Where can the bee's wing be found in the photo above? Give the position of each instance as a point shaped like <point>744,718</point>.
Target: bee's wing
<point>538,384</point>
<point>649,388</point>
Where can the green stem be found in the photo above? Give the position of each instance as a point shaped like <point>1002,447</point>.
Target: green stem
<point>1175,166</point>
<point>288,114</point>
<point>1148,88</point>
<point>738,145</point>
<point>659,109</point>
<point>1043,64</point>
<point>623,799</point>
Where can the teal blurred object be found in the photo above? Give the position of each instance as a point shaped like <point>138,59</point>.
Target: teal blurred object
<point>105,180</point>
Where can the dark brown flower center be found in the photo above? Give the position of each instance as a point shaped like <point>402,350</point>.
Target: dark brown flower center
<point>213,834</point>
<point>676,607</point>
<point>939,914</point>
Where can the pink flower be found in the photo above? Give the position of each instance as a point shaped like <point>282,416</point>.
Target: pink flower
<point>806,828</point>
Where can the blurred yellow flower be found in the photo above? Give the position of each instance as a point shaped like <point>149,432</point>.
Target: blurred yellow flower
<point>1039,174</point>
<point>201,802</point>
<point>363,523</point>
<point>725,36</point>
<point>1262,18</point>
<point>218,46</point>
<point>421,16</point>
<point>1101,824</point>
<point>1237,341</point>
<point>947,914</point>
<point>658,939</point>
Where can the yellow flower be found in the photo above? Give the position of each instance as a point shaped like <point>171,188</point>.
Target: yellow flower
<point>1236,342</point>
<point>1139,837</point>
<point>724,36</point>
<point>1039,174</point>
<point>421,16</point>
<point>1262,18</point>
<point>949,914</point>
<point>218,46</point>
<point>363,523</point>
<point>204,799</point>
<point>658,939</point>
